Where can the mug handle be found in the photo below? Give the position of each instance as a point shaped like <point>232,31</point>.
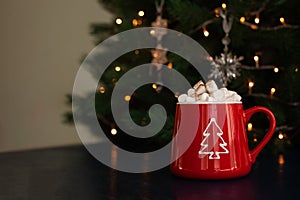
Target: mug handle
<point>248,113</point>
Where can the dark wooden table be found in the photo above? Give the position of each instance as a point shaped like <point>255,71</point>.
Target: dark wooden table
<point>72,173</point>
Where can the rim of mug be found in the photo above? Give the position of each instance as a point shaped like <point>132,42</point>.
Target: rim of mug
<point>210,102</point>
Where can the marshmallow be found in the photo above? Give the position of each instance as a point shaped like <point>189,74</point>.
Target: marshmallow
<point>230,93</point>
<point>203,97</point>
<point>191,92</point>
<point>182,98</point>
<point>201,89</point>
<point>211,99</point>
<point>224,90</point>
<point>219,95</point>
<point>237,97</point>
<point>211,86</point>
<point>190,99</point>
<point>197,85</point>
<point>230,99</point>
<point>208,92</point>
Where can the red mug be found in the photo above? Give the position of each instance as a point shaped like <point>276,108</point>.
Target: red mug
<point>210,140</point>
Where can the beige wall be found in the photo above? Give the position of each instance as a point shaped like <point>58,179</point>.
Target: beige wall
<point>41,43</point>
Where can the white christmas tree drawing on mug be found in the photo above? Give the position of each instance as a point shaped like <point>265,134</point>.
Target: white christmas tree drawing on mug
<point>208,143</point>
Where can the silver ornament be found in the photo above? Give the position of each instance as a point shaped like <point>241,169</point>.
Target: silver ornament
<point>225,67</point>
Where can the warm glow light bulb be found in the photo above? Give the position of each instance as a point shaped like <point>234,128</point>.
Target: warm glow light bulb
<point>296,69</point>
<point>251,84</point>
<point>224,6</point>
<point>170,65</point>
<point>282,20</point>
<point>134,22</point>
<point>119,21</point>
<point>254,27</point>
<point>276,70</point>
<point>113,131</point>
<point>280,136</point>
<point>256,20</point>
<point>102,89</point>
<point>273,90</point>
<point>118,68</point>
<point>242,19</point>
<point>280,159</point>
<point>154,86</point>
<point>141,13</point>
<point>217,12</point>
<point>127,98</point>
<point>249,126</point>
<point>256,58</point>
<point>205,33</point>
<point>152,32</point>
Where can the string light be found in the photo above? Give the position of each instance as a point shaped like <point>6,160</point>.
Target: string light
<point>113,131</point>
<point>127,98</point>
<point>296,69</point>
<point>276,70</point>
<point>154,86</point>
<point>256,59</point>
<point>134,22</point>
<point>155,55</point>
<point>254,27</point>
<point>249,126</point>
<point>224,6</point>
<point>209,58</point>
<point>205,33</point>
<point>118,68</point>
<point>170,65</point>
<point>282,20</point>
<point>254,139</point>
<point>102,89</point>
<point>280,136</point>
<point>242,19</point>
<point>139,22</point>
<point>256,20</point>
<point>152,32</point>
<point>250,86</point>
<point>119,21</point>
<point>280,159</point>
<point>176,94</point>
<point>217,12</point>
<point>272,91</point>
<point>141,13</point>
<point>136,52</point>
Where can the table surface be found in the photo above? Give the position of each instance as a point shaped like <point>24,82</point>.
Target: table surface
<point>72,173</point>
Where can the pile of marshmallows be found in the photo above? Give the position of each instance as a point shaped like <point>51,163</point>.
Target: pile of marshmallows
<point>208,92</point>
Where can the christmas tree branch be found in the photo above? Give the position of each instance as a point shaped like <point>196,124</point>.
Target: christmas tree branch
<point>274,28</point>
<point>263,67</point>
<point>296,103</point>
<point>284,127</point>
<point>203,25</point>
<point>251,25</point>
<point>262,8</point>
